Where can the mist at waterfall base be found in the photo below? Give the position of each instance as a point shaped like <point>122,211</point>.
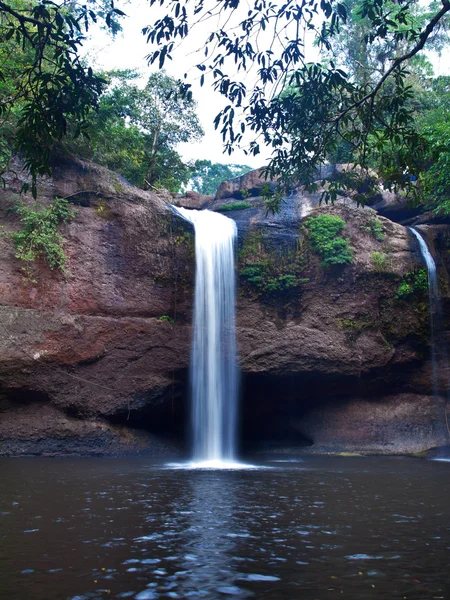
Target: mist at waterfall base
<point>437,342</point>
<point>213,368</point>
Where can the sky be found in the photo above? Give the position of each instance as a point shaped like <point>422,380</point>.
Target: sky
<point>128,51</point>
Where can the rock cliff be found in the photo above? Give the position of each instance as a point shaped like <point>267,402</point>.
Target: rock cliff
<point>95,360</point>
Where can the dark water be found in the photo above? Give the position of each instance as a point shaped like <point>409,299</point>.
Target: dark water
<point>321,529</point>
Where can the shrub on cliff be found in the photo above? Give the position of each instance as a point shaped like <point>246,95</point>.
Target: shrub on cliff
<point>39,236</point>
<point>323,231</point>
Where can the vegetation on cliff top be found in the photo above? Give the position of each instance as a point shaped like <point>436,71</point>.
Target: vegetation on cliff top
<point>207,176</point>
<point>233,206</point>
<point>360,98</point>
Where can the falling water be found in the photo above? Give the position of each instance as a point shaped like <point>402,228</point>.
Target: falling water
<point>213,359</point>
<point>433,297</point>
<point>435,314</point>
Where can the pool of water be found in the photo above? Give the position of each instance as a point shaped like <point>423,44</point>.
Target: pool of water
<point>313,529</point>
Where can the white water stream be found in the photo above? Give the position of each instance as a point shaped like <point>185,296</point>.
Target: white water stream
<point>435,314</point>
<point>213,358</point>
<point>433,298</point>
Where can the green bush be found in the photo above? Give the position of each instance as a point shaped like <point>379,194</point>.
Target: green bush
<point>233,206</point>
<point>413,284</point>
<point>322,233</point>
<point>39,237</point>
<point>260,276</point>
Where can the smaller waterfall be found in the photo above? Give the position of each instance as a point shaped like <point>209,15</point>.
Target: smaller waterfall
<point>435,315</point>
<point>434,303</point>
<point>213,357</point>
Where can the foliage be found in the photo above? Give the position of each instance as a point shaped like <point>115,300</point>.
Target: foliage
<point>245,193</point>
<point>322,232</point>
<point>268,272</point>
<point>379,258</point>
<point>39,236</point>
<point>375,227</point>
<point>259,275</point>
<point>43,82</point>
<point>305,110</point>
<point>413,284</point>
<point>135,131</point>
<point>273,199</point>
<point>207,176</point>
<point>233,206</point>
<point>433,123</point>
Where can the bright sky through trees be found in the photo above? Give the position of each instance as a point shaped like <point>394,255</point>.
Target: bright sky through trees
<point>128,51</point>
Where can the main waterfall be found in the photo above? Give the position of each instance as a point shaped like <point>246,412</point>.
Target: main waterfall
<point>213,359</point>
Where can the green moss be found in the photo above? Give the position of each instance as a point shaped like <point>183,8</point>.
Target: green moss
<point>233,206</point>
<point>378,259</point>
<point>117,185</point>
<point>103,210</point>
<point>375,228</point>
<point>354,327</point>
<point>323,231</point>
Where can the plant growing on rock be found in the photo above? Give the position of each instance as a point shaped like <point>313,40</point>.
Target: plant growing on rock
<point>379,259</point>
<point>233,206</point>
<point>166,319</point>
<point>375,227</point>
<point>413,284</point>
<point>39,236</point>
<point>323,231</point>
<point>267,272</point>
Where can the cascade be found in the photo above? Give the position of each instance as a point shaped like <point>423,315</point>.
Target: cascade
<point>433,298</point>
<point>435,315</point>
<point>213,355</point>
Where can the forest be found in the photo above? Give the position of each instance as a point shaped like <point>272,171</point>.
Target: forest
<point>371,96</point>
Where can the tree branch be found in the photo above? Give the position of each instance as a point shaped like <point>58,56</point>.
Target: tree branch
<point>401,59</point>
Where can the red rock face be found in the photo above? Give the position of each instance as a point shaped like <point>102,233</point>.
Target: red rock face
<point>97,340</point>
<point>90,357</point>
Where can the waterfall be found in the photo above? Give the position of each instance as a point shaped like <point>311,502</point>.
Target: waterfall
<point>433,298</point>
<point>435,315</point>
<point>213,358</point>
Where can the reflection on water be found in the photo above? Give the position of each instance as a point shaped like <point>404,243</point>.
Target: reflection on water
<point>318,529</point>
<point>208,540</point>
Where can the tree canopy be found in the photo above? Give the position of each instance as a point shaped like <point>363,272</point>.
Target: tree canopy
<point>44,83</point>
<point>207,176</point>
<point>136,130</point>
<point>305,109</point>
<point>359,103</point>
